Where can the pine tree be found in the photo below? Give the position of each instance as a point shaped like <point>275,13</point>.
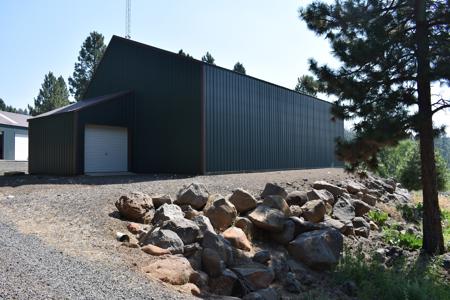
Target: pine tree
<point>182,53</point>
<point>390,53</point>
<point>52,94</point>
<point>307,84</point>
<point>12,109</point>
<point>238,67</point>
<point>89,57</point>
<point>208,58</point>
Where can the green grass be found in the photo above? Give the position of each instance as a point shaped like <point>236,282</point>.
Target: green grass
<point>445,215</point>
<point>418,281</point>
<point>405,240</point>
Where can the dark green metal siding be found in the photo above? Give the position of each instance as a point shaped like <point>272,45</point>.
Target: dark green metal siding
<point>52,145</point>
<point>167,89</point>
<point>254,125</point>
<point>9,141</point>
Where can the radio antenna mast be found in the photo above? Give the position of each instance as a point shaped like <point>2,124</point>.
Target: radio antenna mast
<point>128,19</point>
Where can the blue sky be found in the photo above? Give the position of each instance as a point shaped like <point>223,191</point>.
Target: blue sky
<point>265,35</point>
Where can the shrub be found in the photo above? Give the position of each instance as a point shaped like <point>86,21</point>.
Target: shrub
<point>419,281</point>
<point>379,217</point>
<point>411,213</point>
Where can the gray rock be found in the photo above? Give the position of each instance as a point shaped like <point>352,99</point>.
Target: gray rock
<point>343,210</point>
<point>166,239</point>
<point>221,213</point>
<point>323,185</point>
<point>225,284</point>
<point>296,211</point>
<point>320,249</point>
<point>297,198</point>
<point>204,224</point>
<point>242,200</point>
<point>321,195</point>
<point>189,212</point>
<point>286,235</point>
<point>336,224</point>
<point>314,210</point>
<point>194,195</point>
<point>136,207</point>
<point>361,208</point>
<point>273,189</point>
<point>267,218</point>
<point>219,244</point>
<point>187,230</point>
<point>291,284</point>
<point>263,294</point>
<point>167,212</point>
<point>277,202</point>
<point>369,199</point>
<point>212,264</point>
<point>159,200</point>
<point>302,226</point>
<point>354,187</point>
<point>255,276</point>
<point>262,257</point>
<point>361,227</point>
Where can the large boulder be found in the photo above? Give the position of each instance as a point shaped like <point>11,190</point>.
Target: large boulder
<point>224,285</point>
<point>187,230</point>
<point>237,238</point>
<point>324,195</point>
<point>163,238</point>
<point>203,223</point>
<point>314,210</point>
<point>297,198</point>
<point>267,218</point>
<point>272,189</point>
<point>194,195</point>
<point>161,199</point>
<point>361,208</point>
<point>212,263</point>
<point>136,207</point>
<point>242,200</point>
<point>175,270</point>
<point>334,189</point>
<point>221,213</point>
<point>277,202</point>
<point>219,244</point>
<point>255,276</point>
<point>246,225</point>
<point>320,249</point>
<point>302,226</point>
<point>286,235</point>
<point>167,212</point>
<point>343,210</point>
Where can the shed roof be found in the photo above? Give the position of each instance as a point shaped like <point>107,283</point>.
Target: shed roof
<point>13,119</point>
<point>82,104</point>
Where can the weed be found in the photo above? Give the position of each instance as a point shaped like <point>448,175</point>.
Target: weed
<point>379,217</point>
<point>405,240</point>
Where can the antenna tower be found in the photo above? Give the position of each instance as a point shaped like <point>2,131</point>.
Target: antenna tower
<point>128,19</point>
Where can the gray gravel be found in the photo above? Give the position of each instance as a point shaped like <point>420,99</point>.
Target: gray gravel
<point>57,235</point>
<point>29,269</point>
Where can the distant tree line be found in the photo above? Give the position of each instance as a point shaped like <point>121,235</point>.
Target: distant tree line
<point>10,108</point>
<point>208,58</point>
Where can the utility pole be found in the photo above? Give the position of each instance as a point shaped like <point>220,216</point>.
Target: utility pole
<point>128,19</point>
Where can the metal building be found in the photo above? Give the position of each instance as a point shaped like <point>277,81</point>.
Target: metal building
<point>152,111</point>
<point>13,136</point>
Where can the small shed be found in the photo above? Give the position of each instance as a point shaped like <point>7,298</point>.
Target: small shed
<point>13,136</point>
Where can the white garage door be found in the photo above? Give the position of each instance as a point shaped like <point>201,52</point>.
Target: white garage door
<point>20,146</point>
<point>105,149</point>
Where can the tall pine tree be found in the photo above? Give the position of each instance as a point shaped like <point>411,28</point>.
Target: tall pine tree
<point>238,67</point>
<point>52,94</point>
<point>391,51</point>
<point>307,84</point>
<point>89,57</point>
<point>208,58</point>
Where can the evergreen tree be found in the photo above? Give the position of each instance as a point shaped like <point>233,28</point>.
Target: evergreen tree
<point>238,67</point>
<point>52,94</point>
<point>208,58</point>
<point>390,53</point>
<point>12,109</point>
<point>89,57</point>
<point>307,84</point>
<point>182,53</point>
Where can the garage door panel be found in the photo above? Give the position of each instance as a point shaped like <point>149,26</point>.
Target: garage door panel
<point>20,146</point>
<point>106,149</point>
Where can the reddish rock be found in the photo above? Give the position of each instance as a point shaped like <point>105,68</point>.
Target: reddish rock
<point>237,238</point>
<point>155,250</point>
<point>175,270</point>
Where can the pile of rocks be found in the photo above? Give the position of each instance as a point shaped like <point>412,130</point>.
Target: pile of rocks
<point>246,246</point>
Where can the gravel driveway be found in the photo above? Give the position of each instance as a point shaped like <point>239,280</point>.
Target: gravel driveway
<point>57,234</point>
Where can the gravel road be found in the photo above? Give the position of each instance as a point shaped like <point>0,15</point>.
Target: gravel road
<point>57,234</point>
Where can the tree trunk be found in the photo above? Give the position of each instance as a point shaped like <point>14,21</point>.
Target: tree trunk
<point>433,241</point>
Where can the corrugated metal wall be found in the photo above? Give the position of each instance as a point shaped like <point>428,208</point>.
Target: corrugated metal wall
<point>9,141</point>
<point>254,125</point>
<point>52,145</point>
